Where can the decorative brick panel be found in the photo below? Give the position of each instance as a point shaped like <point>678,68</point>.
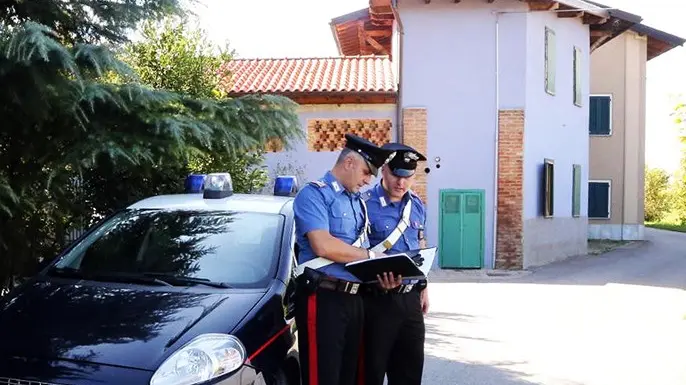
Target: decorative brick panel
<point>329,134</point>
<point>414,135</point>
<point>510,230</point>
<point>274,145</point>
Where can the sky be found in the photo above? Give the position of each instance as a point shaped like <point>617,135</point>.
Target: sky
<point>300,28</point>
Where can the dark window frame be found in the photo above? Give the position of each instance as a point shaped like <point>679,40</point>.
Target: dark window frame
<point>548,188</point>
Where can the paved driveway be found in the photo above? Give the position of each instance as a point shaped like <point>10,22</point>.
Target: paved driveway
<point>612,319</point>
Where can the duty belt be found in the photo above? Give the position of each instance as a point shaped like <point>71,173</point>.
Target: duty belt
<point>340,285</point>
<point>402,289</point>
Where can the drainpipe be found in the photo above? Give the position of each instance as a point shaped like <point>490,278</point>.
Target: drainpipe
<point>624,91</point>
<point>495,144</point>
<point>400,130</point>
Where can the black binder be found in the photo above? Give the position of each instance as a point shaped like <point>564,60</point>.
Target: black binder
<point>398,264</point>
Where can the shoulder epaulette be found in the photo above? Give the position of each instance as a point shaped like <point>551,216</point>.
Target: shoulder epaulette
<point>318,183</point>
<point>367,195</point>
<point>415,196</point>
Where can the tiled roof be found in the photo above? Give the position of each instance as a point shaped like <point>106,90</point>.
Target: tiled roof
<point>347,74</point>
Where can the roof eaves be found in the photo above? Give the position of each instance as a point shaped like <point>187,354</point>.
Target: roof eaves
<point>335,38</point>
<point>352,16</point>
<point>618,13</point>
<point>587,6</point>
<point>659,35</point>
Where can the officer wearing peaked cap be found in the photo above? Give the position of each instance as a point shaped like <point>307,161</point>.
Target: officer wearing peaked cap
<point>394,319</point>
<point>332,225</point>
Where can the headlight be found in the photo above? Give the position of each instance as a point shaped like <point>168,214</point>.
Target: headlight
<point>204,358</point>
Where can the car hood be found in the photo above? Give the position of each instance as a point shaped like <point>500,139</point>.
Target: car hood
<point>111,325</point>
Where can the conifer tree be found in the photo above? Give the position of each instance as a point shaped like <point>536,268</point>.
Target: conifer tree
<point>78,21</point>
<point>61,114</point>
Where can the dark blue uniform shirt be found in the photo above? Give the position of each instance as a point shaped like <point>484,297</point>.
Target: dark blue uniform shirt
<point>328,207</point>
<point>385,215</point>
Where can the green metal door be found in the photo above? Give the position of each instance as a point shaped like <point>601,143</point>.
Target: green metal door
<point>461,228</point>
<point>450,242</point>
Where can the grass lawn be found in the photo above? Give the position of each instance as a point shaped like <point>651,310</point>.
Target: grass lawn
<point>670,222</point>
<point>667,226</point>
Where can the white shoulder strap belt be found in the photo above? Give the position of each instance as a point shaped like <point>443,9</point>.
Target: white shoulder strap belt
<point>397,232</point>
<point>320,262</point>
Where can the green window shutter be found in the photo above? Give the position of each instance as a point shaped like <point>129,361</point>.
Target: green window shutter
<point>599,115</point>
<point>550,61</point>
<point>598,199</point>
<point>576,193</point>
<point>577,76</point>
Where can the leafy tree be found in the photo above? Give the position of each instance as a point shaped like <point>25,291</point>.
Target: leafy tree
<point>657,194</point>
<point>175,56</point>
<point>62,119</point>
<point>78,21</point>
<point>679,184</point>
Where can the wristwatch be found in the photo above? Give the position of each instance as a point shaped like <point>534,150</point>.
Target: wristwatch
<point>371,254</point>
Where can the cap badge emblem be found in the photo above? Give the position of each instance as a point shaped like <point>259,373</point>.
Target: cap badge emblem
<point>410,156</point>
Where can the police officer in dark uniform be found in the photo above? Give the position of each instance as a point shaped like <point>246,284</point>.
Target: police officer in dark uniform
<point>394,328</point>
<point>332,229</point>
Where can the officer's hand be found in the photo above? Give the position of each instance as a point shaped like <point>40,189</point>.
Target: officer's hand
<point>424,299</point>
<point>417,259</point>
<point>388,281</point>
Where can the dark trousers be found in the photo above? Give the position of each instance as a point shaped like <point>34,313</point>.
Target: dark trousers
<point>329,336</point>
<point>394,335</point>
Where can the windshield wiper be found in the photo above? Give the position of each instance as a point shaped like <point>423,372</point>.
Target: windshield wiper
<point>181,279</point>
<point>112,277</point>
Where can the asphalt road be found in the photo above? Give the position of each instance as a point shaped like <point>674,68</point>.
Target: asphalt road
<point>618,318</point>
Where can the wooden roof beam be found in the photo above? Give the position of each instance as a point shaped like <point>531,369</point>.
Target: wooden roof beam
<point>379,32</point>
<point>378,47</point>
<point>542,5</point>
<point>362,40</point>
<point>590,18</point>
<point>598,37</point>
<point>565,11</point>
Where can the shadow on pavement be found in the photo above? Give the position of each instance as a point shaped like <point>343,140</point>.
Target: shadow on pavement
<point>659,261</point>
<point>441,371</point>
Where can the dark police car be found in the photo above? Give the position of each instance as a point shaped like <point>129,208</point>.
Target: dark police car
<point>174,290</point>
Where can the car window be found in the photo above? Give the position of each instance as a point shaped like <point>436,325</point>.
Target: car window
<point>238,248</point>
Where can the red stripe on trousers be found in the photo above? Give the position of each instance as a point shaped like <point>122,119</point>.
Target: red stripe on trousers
<point>312,337</point>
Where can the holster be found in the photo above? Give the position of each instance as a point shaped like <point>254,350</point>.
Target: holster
<point>421,285</point>
<point>308,281</point>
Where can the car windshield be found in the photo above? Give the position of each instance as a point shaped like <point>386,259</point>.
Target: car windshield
<point>239,249</point>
